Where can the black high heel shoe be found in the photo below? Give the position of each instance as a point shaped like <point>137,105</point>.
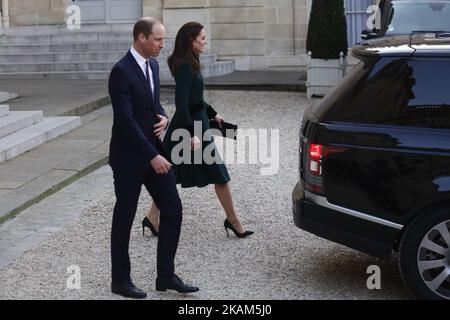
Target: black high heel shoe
<point>228,225</point>
<point>148,224</point>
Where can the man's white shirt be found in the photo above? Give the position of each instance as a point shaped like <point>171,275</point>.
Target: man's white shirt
<point>142,63</point>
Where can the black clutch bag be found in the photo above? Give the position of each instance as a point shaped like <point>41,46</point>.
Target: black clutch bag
<point>228,130</point>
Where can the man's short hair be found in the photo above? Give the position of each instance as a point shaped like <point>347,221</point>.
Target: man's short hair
<point>144,25</point>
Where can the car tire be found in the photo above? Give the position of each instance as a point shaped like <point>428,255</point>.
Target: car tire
<point>425,255</point>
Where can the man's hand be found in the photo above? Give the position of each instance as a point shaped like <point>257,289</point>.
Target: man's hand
<point>219,120</point>
<point>160,127</point>
<point>195,143</point>
<point>160,164</point>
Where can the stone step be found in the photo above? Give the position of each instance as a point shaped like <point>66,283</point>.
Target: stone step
<point>215,69</point>
<point>95,56</point>
<point>206,59</point>
<point>75,39</point>
<point>63,38</point>
<point>81,37</point>
<point>210,70</point>
<point>82,56</point>
<point>219,68</point>
<point>56,66</point>
<point>78,65</point>
<point>61,57</point>
<point>72,75</point>
<point>93,47</point>
<point>6,96</point>
<point>26,139</point>
<point>62,29</point>
<point>18,120</point>
<point>66,47</point>
<point>4,110</point>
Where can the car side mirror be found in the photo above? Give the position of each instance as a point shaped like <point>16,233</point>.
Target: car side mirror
<point>369,34</point>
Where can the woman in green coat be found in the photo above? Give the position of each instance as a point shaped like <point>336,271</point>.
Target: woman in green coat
<point>193,113</point>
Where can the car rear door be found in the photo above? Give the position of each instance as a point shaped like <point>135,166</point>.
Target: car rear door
<point>388,139</point>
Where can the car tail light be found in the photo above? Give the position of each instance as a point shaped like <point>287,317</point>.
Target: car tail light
<point>313,159</point>
<point>313,168</point>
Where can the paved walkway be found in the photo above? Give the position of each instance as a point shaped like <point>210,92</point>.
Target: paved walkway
<point>79,97</point>
<point>46,169</point>
<point>256,80</point>
<point>57,97</point>
<point>48,217</point>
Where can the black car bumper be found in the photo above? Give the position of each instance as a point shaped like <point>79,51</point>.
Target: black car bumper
<point>362,235</point>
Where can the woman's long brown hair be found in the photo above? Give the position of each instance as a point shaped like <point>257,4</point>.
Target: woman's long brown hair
<point>183,51</point>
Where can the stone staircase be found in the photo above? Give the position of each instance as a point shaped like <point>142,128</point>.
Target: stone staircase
<point>54,52</point>
<point>21,131</point>
<point>5,96</point>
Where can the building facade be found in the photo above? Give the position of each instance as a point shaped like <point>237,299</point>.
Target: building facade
<point>256,34</point>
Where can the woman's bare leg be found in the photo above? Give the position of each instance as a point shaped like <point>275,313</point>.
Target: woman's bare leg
<point>224,194</point>
<point>153,216</point>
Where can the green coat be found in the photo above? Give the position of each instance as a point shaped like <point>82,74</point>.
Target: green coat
<point>188,93</point>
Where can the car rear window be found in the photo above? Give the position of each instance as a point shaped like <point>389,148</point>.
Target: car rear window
<point>406,92</point>
<point>357,75</point>
<point>408,16</point>
<point>429,105</point>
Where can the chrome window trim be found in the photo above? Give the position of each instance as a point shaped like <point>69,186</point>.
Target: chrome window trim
<point>322,201</point>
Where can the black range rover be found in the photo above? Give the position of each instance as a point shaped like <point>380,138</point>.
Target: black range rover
<point>375,159</point>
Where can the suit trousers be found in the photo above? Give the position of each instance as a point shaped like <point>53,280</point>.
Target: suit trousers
<point>163,190</point>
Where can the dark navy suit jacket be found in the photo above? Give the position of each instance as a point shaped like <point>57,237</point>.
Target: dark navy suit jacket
<point>133,142</point>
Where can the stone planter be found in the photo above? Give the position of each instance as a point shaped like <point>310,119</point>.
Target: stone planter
<point>324,75</point>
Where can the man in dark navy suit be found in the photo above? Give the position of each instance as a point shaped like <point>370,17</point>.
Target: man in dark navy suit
<point>137,158</point>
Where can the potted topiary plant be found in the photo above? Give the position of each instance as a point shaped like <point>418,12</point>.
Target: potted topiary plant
<point>326,46</point>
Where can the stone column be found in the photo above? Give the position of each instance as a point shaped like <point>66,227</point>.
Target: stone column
<point>5,13</point>
<point>177,12</point>
<point>279,27</point>
<point>287,35</point>
<point>308,6</point>
<point>303,10</point>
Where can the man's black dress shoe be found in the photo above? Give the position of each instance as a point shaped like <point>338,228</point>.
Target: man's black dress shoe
<point>174,283</point>
<point>127,289</point>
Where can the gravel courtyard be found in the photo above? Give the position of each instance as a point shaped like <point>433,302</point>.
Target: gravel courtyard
<point>279,261</point>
